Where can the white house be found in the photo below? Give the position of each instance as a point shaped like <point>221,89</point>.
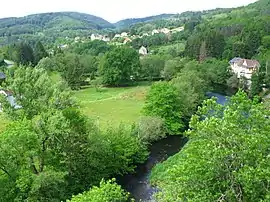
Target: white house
<point>10,99</point>
<point>124,34</point>
<point>143,51</point>
<point>165,30</point>
<point>155,31</point>
<point>244,67</point>
<point>9,63</point>
<point>127,40</point>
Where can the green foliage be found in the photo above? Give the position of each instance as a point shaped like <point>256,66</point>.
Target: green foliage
<point>75,69</point>
<point>151,67</point>
<point>49,26</point>
<point>162,101</point>
<point>225,158</point>
<point>266,42</point>
<point>36,93</point>
<point>190,88</point>
<point>107,191</point>
<point>48,64</point>
<point>150,129</point>
<point>39,52</point>
<point>120,151</point>
<point>119,65</point>
<point>94,48</point>
<point>172,67</point>
<point>23,54</point>
<point>256,84</point>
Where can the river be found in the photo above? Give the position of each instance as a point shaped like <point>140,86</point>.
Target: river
<point>138,184</point>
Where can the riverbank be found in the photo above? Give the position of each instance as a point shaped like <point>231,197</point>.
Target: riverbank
<point>138,184</point>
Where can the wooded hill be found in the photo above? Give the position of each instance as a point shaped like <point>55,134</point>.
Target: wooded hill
<point>59,24</point>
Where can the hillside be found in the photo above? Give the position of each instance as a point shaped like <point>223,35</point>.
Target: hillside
<point>131,21</point>
<point>166,20</point>
<point>50,25</point>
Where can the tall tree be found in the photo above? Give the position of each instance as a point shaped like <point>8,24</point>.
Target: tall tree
<point>23,54</point>
<point>119,65</point>
<point>39,52</point>
<point>162,101</point>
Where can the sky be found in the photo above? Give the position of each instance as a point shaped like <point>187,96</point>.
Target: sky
<point>113,10</point>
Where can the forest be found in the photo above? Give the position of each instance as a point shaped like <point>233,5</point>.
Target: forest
<point>75,121</point>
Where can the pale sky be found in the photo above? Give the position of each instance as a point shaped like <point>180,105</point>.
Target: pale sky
<point>113,10</point>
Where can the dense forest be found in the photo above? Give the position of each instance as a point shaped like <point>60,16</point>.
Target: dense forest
<point>74,121</point>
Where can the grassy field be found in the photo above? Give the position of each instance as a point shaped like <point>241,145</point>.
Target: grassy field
<point>112,105</point>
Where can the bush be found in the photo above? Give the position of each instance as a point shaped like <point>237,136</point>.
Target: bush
<point>106,192</point>
<point>162,101</point>
<point>150,129</point>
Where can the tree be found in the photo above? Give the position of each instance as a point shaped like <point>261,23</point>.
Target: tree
<point>256,84</point>
<point>190,88</point>
<point>151,67</point>
<point>150,129</point>
<point>49,64</point>
<point>172,67</point>
<point>119,65</point>
<point>39,52</point>
<point>266,42</point>
<point>203,52</point>
<point>23,54</point>
<point>34,90</point>
<point>162,101</point>
<point>73,70</point>
<point>226,157</point>
<point>107,191</point>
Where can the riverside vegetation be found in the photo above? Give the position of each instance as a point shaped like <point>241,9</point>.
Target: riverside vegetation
<point>90,112</point>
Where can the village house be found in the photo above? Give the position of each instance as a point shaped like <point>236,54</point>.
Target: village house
<point>10,99</point>
<point>155,31</point>
<point>127,40</point>
<point>124,34</point>
<point>9,63</point>
<point>165,30</point>
<point>244,67</point>
<point>143,51</point>
<point>178,29</point>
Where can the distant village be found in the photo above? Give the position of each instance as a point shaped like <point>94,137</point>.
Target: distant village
<point>124,37</point>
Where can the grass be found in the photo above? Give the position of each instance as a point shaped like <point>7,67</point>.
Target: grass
<point>3,122</point>
<point>109,106</point>
<point>112,106</point>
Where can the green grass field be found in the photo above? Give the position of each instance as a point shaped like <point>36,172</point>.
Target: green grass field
<point>112,106</point>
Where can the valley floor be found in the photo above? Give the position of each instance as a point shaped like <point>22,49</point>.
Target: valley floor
<point>112,105</point>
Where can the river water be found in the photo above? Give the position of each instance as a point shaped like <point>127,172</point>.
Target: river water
<point>138,184</point>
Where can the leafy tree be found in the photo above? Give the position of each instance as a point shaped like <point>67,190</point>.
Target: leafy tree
<point>172,67</point>
<point>162,101</point>
<point>256,84</point>
<point>49,64</point>
<point>150,129</point>
<point>151,67</point>
<point>119,65</point>
<point>233,82</point>
<point>23,54</point>
<point>190,88</point>
<point>225,159</point>
<point>39,52</point>
<point>107,191</point>
<point>266,42</point>
<point>36,93</point>
<point>73,70</point>
<point>203,52</point>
